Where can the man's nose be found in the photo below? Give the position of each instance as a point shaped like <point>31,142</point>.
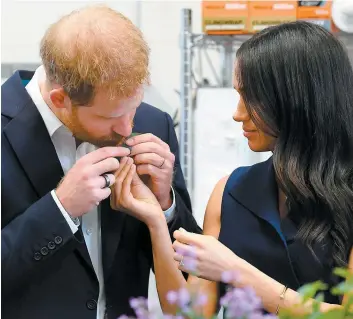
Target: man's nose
<point>123,127</point>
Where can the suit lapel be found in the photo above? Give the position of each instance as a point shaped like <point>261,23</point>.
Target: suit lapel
<point>30,140</point>
<point>34,149</point>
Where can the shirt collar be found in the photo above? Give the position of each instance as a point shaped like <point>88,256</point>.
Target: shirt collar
<point>51,122</point>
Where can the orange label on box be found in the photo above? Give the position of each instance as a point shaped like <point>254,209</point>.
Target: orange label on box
<point>225,17</point>
<point>273,8</point>
<point>314,9</point>
<point>268,13</point>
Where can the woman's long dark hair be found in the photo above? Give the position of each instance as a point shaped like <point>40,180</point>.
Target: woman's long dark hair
<point>296,78</point>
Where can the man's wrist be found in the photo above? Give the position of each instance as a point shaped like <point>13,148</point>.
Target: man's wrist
<point>72,222</point>
<point>167,204</point>
<point>168,201</point>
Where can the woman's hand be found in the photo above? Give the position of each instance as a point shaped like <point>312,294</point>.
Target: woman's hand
<point>205,257</point>
<point>132,196</point>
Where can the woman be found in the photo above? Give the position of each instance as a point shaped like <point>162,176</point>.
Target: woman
<point>287,221</point>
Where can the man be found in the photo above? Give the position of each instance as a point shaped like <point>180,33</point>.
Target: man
<point>65,252</point>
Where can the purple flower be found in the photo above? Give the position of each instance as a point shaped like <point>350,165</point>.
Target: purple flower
<point>240,302</point>
<point>229,276</point>
<point>201,300</point>
<point>142,313</point>
<point>140,306</point>
<point>134,303</point>
<point>183,298</point>
<point>172,297</point>
<point>258,315</point>
<point>225,300</point>
<point>190,264</point>
<point>140,302</point>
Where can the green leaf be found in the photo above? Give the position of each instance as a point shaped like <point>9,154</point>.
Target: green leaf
<point>316,304</point>
<point>315,315</point>
<point>308,291</point>
<point>342,288</point>
<point>332,314</point>
<point>134,134</point>
<point>289,314</point>
<point>320,297</point>
<point>342,272</point>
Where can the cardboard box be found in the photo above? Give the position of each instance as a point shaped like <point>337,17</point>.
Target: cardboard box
<point>268,13</point>
<point>318,12</point>
<point>225,17</point>
<point>314,10</point>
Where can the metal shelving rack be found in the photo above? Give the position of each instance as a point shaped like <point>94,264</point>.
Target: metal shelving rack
<point>192,47</point>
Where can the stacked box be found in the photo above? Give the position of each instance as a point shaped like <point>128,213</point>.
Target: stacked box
<point>263,14</point>
<point>318,12</point>
<point>225,17</point>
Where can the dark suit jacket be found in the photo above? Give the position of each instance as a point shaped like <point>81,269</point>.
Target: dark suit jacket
<point>46,270</point>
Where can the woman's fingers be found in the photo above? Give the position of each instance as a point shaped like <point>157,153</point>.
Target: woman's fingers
<point>120,177</point>
<point>126,187</point>
<point>186,263</point>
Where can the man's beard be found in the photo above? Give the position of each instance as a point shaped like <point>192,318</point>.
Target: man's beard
<point>74,125</point>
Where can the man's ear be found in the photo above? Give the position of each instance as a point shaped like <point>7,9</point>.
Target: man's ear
<point>59,98</point>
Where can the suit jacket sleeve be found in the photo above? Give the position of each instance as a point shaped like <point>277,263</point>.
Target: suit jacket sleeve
<point>32,241</point>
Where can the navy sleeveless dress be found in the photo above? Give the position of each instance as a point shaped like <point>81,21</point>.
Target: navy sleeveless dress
<point>251,227</point>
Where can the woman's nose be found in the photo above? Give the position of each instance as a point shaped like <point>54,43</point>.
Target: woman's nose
<point>241,114</point>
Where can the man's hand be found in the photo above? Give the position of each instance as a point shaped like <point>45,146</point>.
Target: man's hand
<point>153,157</point>
<point>83,187</point>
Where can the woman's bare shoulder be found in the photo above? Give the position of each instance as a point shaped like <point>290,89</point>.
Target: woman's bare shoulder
<point>212,220</point>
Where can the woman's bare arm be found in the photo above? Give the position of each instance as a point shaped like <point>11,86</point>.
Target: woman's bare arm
<point>168,276</point>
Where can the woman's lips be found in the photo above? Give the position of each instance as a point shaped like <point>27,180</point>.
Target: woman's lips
<point>248,134</point>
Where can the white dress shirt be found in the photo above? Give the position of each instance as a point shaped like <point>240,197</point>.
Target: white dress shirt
<point>68,154</point>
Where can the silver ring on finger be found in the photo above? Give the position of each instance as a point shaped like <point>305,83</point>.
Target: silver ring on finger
<point>107,180</point>
<point>160,166</point>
